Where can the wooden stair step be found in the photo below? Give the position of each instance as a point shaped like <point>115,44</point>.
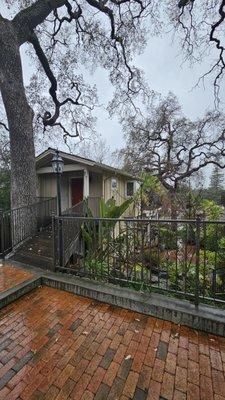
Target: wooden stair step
<point>45,256</point>
<point>36,261</point>
<point>35,247</point>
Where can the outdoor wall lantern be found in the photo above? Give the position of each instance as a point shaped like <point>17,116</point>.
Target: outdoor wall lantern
<point>57,166</point>
<point>57,163</point>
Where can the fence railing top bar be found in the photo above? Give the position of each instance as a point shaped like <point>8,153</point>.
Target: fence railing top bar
<point>72,208</point>
<point>39,201</point>
<point>45,198</point>
<point>144,220</point>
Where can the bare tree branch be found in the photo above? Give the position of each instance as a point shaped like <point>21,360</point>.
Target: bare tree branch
<point>4,126</point>
<point>29,18</point>
<point>172,147</point>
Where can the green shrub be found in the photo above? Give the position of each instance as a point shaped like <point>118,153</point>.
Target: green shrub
<point>168,238</point>
<point>96,267</point>
<point>151,258</point>
<point>183,275</point>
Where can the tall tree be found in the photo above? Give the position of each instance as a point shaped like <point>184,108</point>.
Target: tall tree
<point>216,186</point>
<point>170,146</point>
<point>217,178</point>
<point>4,170</point>
<point>64,35</point>
<point>199,26</point>
<point>95,149</point>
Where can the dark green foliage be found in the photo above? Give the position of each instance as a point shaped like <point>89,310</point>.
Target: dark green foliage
<point>99,235</point>
<point>216,186</point>
<point>151,258</point>
<point>168,237</point>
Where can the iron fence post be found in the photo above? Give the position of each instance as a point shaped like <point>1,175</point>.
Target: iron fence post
<point>198,229</point>
<point>53,244</point>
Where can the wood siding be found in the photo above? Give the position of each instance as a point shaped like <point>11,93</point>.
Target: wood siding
<point>95,185</point>
<point>47,185</point>
<point>99,186</point>
<point>119,194</point>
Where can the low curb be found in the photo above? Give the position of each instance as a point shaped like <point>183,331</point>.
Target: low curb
<point>17,291</point>
<point>205,318</point>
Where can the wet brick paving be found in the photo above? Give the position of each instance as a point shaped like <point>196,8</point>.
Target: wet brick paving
<point>55,345</point>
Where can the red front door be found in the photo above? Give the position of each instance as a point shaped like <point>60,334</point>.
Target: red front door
<point>76,190</point>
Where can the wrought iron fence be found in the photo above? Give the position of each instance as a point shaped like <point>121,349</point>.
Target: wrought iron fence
<point>76,210</point>
<point>19,224</point>
<point>184,258</point>
<point>67,232</point>
<point>66,239</point>
<point>84,207</point>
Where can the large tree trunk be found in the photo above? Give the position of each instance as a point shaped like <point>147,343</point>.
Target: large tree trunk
<point>20,118</point>
<point>173,205</point>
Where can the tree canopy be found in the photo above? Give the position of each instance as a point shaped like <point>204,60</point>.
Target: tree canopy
<point>67,36</point>
<point>170,146</point>
<point>64,37</point>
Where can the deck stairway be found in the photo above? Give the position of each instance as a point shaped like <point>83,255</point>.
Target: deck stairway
<point>38,247</point>
<point>37,251</point>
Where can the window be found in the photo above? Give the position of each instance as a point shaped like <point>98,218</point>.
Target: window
<point>130,189</point>
<point>113,183</point>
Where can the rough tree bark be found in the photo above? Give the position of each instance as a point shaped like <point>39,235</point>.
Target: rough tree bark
<point>20,118</point>
<point>19,114</point>
<point>21,29</point>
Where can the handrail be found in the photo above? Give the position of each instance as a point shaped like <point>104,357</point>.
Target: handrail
<point>68,210</point>
<point>91,202</point>
<point>191,221</point>
<point>18,224</point>
<point>30,205</point>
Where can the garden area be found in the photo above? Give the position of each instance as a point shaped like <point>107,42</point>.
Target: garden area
<point>185,258</point>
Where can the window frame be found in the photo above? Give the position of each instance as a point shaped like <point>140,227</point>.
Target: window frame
<point>129,195</point>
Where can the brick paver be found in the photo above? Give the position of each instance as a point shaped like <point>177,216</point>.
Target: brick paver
<point>11,276</point>
<point>55,345</point>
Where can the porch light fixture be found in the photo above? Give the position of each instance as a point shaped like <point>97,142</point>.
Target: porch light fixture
<point>57,166</point>
<point>57,163</point>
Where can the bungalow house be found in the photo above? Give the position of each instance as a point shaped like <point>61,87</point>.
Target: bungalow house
<point>84,178</point>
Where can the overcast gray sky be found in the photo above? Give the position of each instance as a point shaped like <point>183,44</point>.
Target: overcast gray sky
<point>161,62</point>
<point>165,71</point>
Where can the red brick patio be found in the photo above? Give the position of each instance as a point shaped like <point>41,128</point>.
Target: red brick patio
<point>55,345</point>
<point>11,276</point>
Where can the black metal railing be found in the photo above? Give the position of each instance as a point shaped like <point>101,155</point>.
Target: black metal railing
<point>19,224</point>
<point>89,205</point>
<point>184,258</point>
<point>78,210</point>
<point>66,239</point>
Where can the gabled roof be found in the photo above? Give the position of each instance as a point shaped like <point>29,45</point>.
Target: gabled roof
<point>46,157</point>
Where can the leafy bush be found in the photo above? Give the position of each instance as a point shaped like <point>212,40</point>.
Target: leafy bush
<point>151,258</point>
<point>211,210</point>
<point>96,267</point>
<point>182,275</point>
<point>221,254</point>
<point>98,235</point>
<point>168,238</point>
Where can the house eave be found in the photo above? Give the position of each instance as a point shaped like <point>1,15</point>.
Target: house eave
<point>83,162</point>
